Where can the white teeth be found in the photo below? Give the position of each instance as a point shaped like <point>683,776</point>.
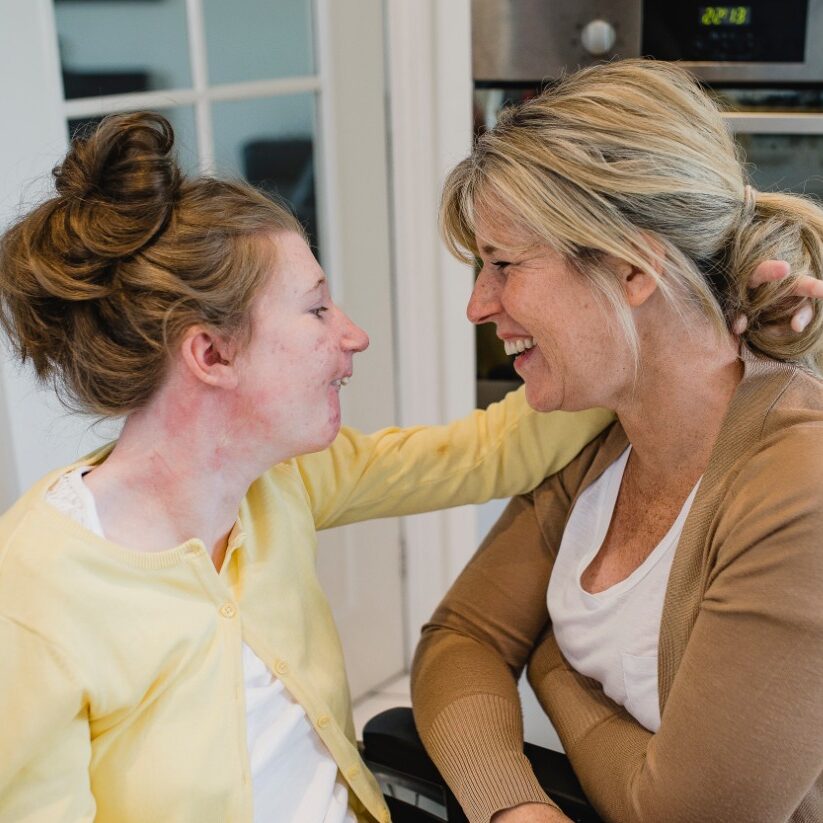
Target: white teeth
<point>340,382</point>
<point>518,345</point>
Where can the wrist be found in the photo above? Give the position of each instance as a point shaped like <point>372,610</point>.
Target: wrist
<point>530,813</point>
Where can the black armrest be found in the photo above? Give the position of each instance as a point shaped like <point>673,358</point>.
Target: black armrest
<point>393,750</point>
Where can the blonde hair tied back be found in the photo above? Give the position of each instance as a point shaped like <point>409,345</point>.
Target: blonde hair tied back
<point>98,282</point>
<point>619,154</point>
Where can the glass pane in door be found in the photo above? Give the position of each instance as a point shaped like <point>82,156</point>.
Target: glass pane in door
<point>270,142</point>
<point>258,39</point>
<point>119,47</point>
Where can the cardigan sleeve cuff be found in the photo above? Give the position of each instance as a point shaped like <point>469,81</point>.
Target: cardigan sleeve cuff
<point>477,744</point>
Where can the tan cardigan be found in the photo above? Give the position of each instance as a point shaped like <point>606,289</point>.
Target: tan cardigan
<point>741,641</point>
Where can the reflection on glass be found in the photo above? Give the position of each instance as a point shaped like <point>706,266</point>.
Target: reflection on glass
<point>785,162</point>
<point>258,39</point>
<point>795,100</point>
<point>489,102</point>
<point>185,134</point>
<point>270,142</point>
<point>112,47</point>
<point>496,376</point>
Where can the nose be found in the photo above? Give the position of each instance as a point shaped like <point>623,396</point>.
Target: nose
<point>484,303</point>
<point>354,338</point>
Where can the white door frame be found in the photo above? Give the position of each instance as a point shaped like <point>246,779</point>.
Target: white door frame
<point>32,142</point>
<point>429,72</point>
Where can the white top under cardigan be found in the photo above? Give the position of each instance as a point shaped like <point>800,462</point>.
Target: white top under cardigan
<point>612,635</point>
<point>294,778</point>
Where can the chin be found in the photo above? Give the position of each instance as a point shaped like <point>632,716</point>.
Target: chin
<point>316,446</point>
<point>543,400</point>
<point>330,434</point>
<point>318,437</point>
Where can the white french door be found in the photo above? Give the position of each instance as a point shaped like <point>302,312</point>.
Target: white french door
<point>289,94</point>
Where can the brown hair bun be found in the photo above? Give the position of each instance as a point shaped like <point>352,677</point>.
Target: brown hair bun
<point>118,185</point>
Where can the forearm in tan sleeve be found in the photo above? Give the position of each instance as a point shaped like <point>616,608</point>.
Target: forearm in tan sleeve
<point>464,676</point>
<point>741,732</point>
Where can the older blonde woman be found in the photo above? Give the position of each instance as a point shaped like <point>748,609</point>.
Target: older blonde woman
<point>665,588</point>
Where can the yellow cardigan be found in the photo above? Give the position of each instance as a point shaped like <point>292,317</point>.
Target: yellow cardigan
<point>121,693</point>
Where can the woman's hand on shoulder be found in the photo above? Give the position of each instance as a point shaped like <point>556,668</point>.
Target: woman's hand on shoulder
<point>806,286</point>
<point>531,813</point>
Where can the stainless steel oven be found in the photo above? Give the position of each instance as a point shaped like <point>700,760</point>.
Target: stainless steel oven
<point>762,41</point>
<point>763,59</point>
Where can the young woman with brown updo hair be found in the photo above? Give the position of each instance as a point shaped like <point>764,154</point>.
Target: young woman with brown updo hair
<point>168,654</point>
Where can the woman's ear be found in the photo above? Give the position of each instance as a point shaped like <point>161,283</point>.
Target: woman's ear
<point>210,357</point>
<point>640,284</point>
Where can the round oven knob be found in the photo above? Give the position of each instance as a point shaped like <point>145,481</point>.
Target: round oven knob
<point>598,37</point>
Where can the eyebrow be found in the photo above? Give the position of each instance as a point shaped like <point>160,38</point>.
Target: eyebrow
<point>506,251</point>
<point>317,285</point>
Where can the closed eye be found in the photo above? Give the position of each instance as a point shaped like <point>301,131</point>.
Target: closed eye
<point>500,265</point>
<point>318,311</point>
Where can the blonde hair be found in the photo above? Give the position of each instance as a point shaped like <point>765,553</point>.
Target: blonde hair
<point>99,282</point>
<point>618,155</point>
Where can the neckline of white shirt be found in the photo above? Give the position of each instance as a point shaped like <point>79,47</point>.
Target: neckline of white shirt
<point>614,477</point>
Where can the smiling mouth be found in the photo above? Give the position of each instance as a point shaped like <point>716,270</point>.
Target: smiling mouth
<point>518,345</point>
<point>340,382</point>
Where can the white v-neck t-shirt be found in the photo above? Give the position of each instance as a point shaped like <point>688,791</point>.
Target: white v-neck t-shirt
<point>294,778</point>
<point>612,636</point>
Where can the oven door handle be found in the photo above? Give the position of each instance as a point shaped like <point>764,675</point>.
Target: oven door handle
<point>743,122</point>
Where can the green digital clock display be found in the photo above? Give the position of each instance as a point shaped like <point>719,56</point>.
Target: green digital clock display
<point>725,15</point>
